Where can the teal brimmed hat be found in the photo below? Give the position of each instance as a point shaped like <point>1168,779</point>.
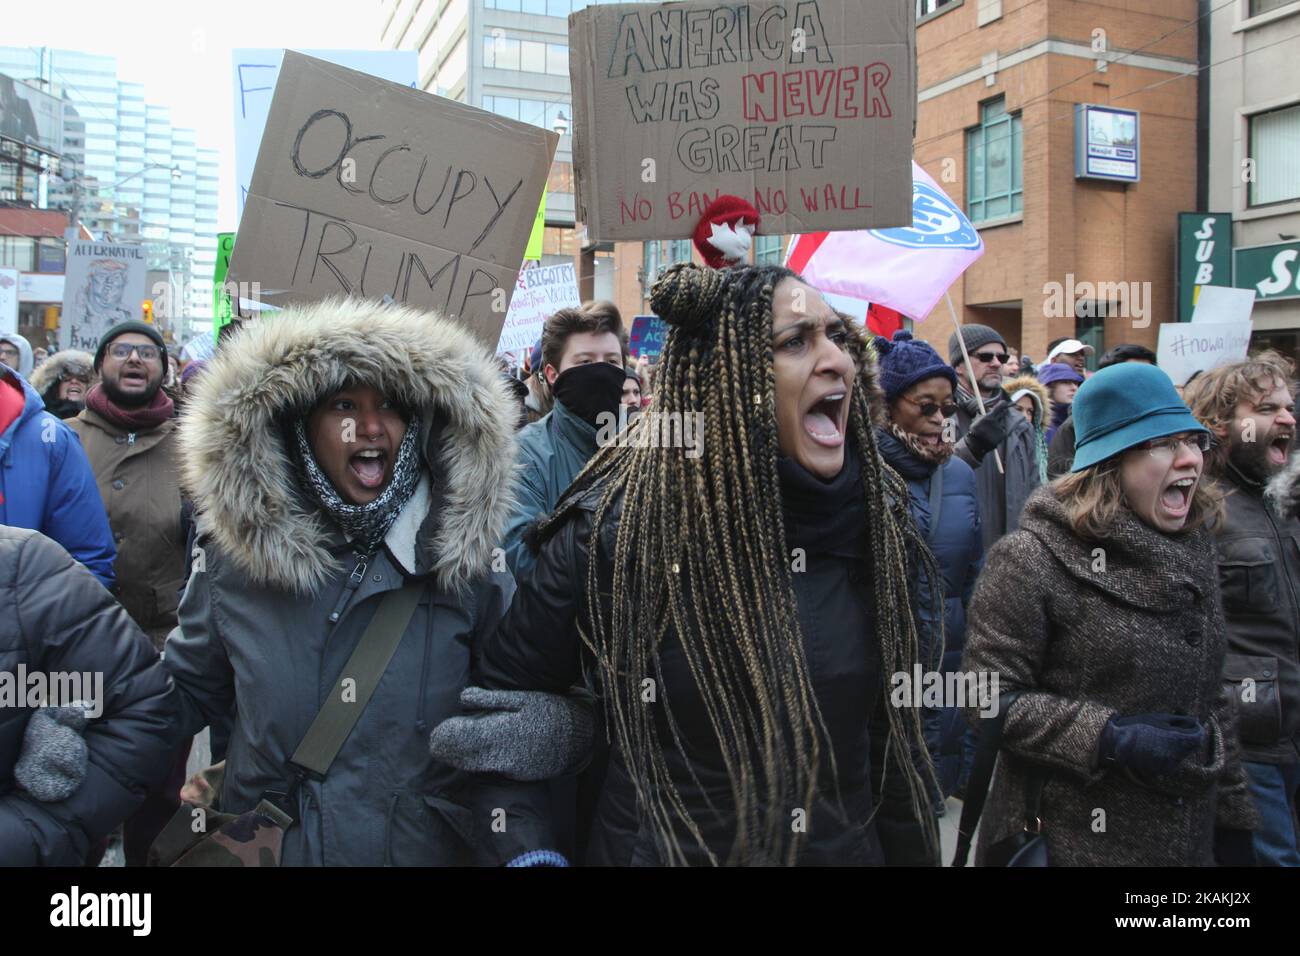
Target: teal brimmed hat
<point>1123,406</point>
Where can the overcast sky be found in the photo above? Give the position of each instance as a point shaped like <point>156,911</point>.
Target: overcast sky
<point>181,51</point>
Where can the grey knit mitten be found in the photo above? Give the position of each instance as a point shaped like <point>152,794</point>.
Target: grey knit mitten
<point>54,756</point>
<point>523,735</point>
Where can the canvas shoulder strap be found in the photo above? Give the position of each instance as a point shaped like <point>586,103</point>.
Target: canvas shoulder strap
<point>365,667</point>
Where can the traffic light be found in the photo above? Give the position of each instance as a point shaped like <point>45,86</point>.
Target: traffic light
<point>148,311</point>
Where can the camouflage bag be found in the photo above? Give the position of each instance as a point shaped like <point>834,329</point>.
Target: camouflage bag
<point>200,836</point>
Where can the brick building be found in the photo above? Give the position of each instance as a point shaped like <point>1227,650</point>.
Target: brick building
<point>998,84</point>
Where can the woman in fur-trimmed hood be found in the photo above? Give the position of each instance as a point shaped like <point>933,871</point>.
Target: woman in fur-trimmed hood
<point>1030,396</point>
<point>334,453</point>
<point>63,380</point>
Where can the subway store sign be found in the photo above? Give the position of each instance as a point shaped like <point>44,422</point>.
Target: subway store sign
<point>1273,271</point>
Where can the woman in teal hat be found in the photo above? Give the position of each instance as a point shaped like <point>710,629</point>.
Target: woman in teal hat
<point>1103,612</point>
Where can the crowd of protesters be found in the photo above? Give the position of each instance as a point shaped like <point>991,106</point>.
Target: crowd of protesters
<point>564,650</point>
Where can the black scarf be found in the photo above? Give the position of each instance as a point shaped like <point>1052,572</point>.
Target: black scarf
<point>824,516</point>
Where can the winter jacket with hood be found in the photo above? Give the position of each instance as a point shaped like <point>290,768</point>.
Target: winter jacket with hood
<point>56,618</point>
<point>1259,574</point>
<point>46,379</point>
<point>1140,632</point>
<point>255,618</point>
<point>25,358</point>
<point>1042,401</point>
<point>539,647</point>
<point>552,451</point>
<point>46,484</point>
<point>1003,494</point>
<point>957,542</point>
<point>139,481</point>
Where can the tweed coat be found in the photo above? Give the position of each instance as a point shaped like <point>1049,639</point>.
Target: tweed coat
<point>1132,624</point>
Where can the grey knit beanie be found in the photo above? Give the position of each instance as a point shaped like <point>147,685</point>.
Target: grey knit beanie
<point>975,336</point>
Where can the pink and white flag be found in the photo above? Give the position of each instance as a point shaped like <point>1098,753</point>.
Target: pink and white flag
<point>907,268</point>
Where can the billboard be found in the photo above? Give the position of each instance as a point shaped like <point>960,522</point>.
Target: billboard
<point>30,116</point>
<point>1107,143</point>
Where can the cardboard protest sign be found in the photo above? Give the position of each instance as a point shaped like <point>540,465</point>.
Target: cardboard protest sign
<point>105,285</point>
<point>1222,304</point>
<point>806,108</point>
<point>647,338</point>
<point>255,73</point>
<point>1188,347</point>
<point>539,292</point>
<point>368,188</point>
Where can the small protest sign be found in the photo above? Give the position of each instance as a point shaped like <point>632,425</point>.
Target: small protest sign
<point>105,285</point>
<point>805,108</point>
<point>368,188</point>
<point>539,292</point>
<point>1222,304</point>
<point>647,337</point>
<point>221,310</point>
<point>1189,347</point>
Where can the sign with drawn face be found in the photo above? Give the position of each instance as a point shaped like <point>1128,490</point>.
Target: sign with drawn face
<point>105,285</point>
<point>369,188</point>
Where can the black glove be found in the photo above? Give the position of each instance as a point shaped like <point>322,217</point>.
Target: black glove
<point>989,431</point>
<point>1150,743</point>
<point>1234,847</point>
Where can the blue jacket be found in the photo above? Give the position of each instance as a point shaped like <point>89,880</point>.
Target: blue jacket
<point>47,485</point>
<point>552,450</point>
<point>956,541</point>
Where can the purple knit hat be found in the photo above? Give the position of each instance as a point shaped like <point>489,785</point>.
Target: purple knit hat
<point>906,361</point>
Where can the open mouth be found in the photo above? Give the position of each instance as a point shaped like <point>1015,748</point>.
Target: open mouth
<point>1177,496</point>
<point>1278,449</point>
<point>369,466</point>
<point>826,418</point>
<point>75,391</point>
<point>133,377</point>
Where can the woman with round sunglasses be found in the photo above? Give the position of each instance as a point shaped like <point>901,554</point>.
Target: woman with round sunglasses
<point>917,441</point>
<point>1103,612</point>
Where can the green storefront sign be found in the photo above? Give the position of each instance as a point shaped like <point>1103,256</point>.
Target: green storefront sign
<point>1273,271</point>
<point>1204,254</point>
<point>221,313</point>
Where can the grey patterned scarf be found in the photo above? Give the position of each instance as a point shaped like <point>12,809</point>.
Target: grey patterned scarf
<point>364,525</point>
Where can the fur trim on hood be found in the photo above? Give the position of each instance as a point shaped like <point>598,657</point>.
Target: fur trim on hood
<point>48,372</point>
<point>243,479</point>
<point>1043,400</point>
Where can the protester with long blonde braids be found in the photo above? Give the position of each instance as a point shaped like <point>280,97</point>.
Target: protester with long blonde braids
<point>749,598</point>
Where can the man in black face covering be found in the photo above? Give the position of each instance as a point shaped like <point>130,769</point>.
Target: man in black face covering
<point>583,354</point>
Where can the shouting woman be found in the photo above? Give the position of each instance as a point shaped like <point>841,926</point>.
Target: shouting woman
<point>338,454</point>
<point>1103,612</point>
<point>735,602</point>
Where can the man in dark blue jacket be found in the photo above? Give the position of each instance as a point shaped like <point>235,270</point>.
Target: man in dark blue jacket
<point>45,480</point>
<point>583,354</point>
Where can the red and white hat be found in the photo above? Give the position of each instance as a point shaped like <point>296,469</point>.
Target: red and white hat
<point>726,231</point>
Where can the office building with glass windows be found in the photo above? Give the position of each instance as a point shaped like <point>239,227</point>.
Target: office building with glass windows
<point>127,172</point>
